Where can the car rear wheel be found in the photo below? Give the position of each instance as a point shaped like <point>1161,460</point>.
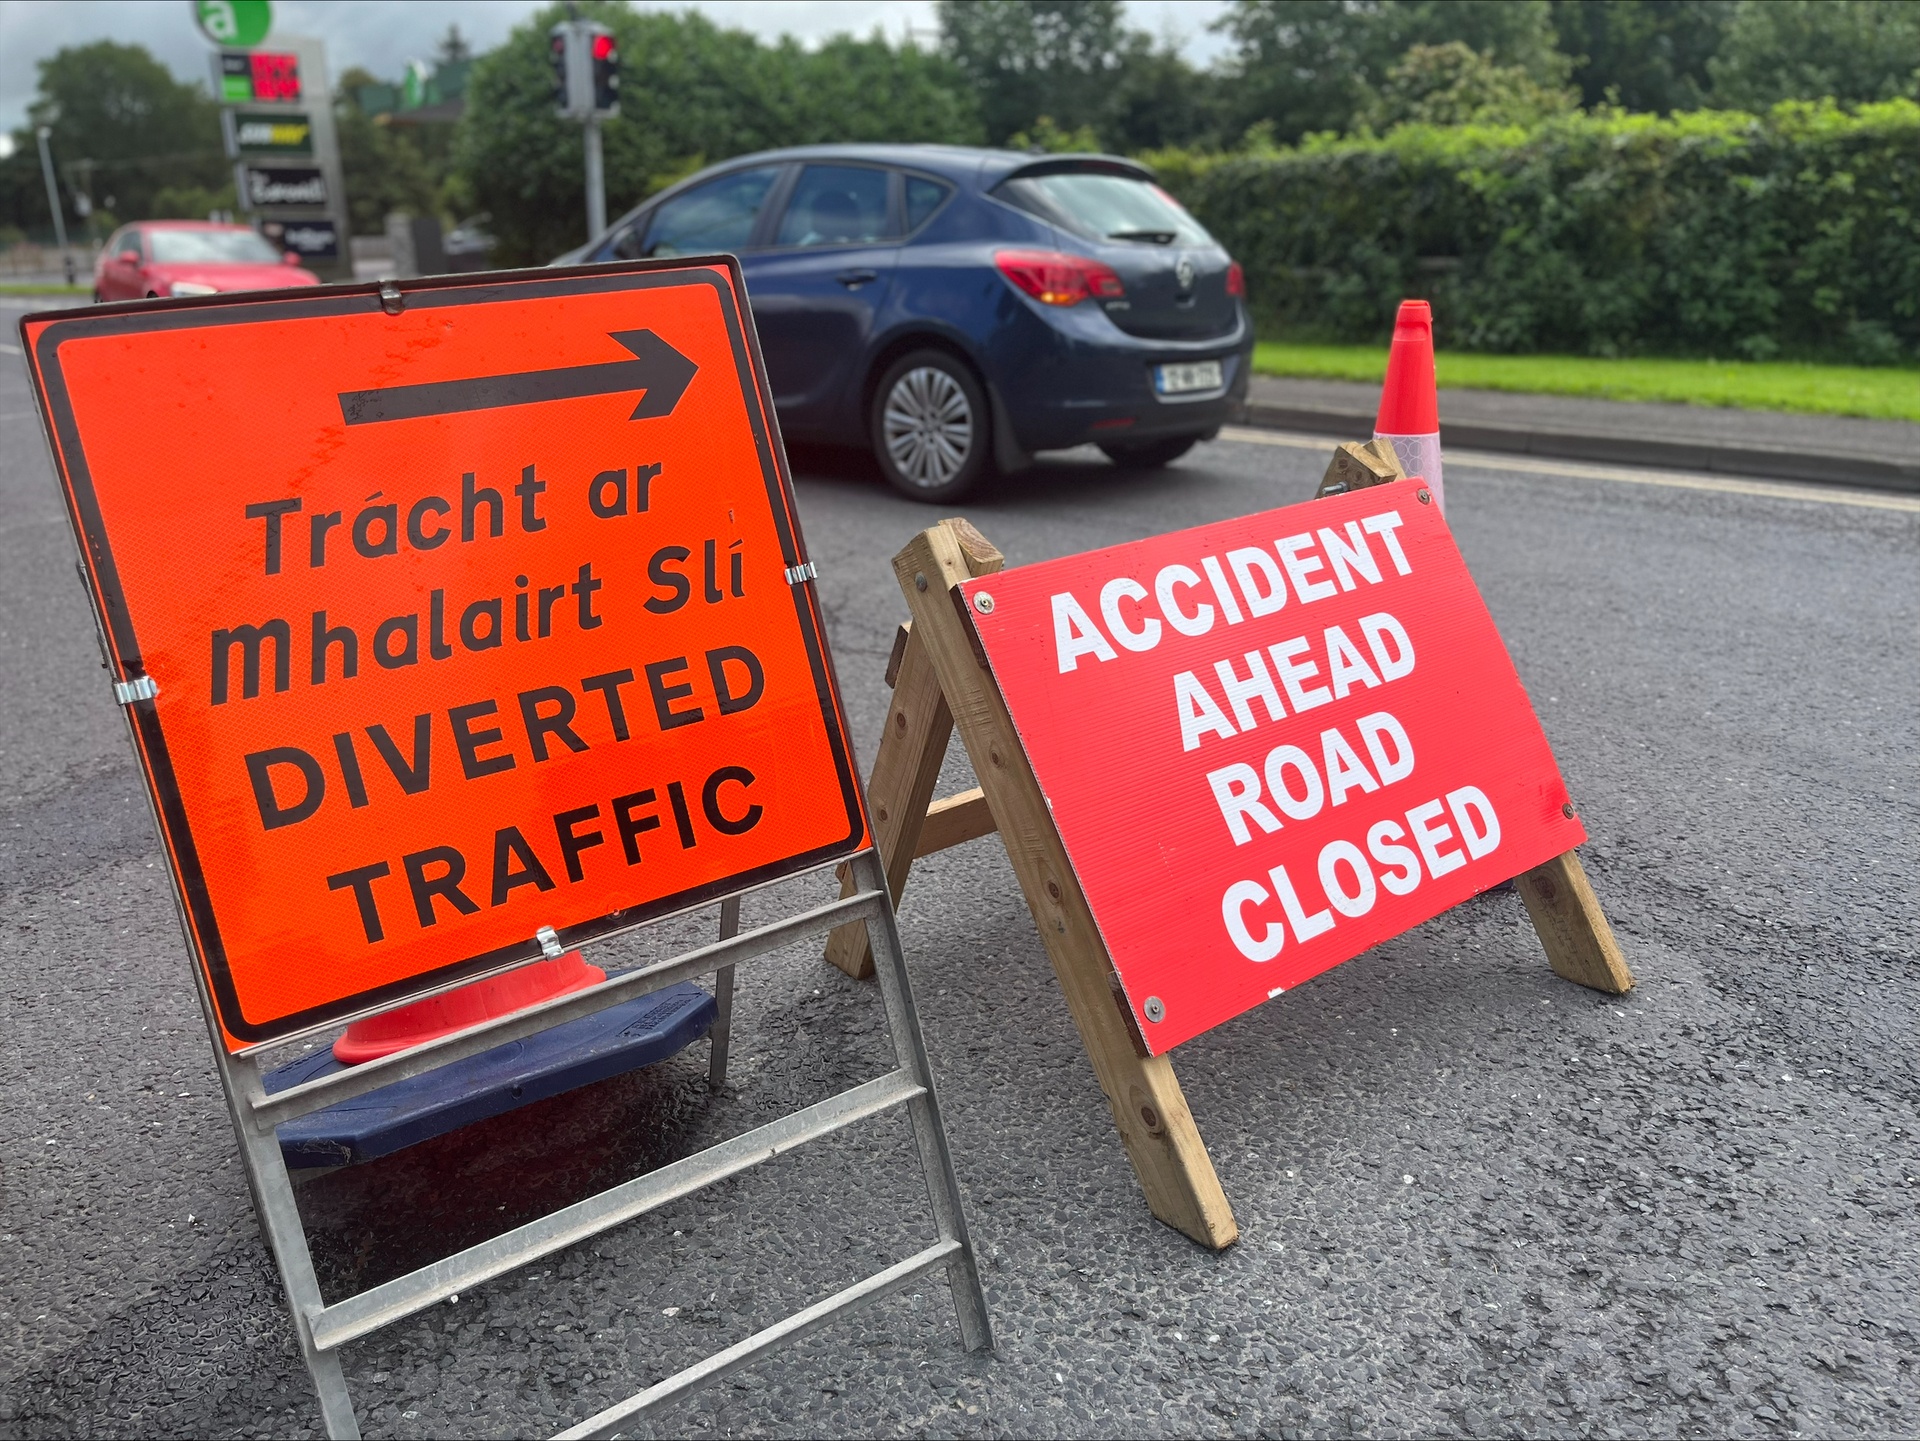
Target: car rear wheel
<point>1149,454</point>
<point>929,426</point>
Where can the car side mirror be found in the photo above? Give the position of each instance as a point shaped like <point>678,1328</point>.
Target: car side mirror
<point>290,258</point>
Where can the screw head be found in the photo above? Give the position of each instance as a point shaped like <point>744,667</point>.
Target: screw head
<point>1425,496</point>
<point>919,581</point>
<point>1156,1009</point>
<point>983,603</point>
<point>1567,810</point>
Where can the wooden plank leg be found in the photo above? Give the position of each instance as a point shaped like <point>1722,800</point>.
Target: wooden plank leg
<point>955,821</point>
<point>1572,927</point>
<point>1148,1108</point>
<point>904,774</point>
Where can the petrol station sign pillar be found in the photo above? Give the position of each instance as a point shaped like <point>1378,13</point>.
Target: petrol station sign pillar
<point>277,119</point>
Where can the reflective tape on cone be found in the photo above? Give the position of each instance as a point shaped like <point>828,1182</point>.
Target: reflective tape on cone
<point>1419,455</point>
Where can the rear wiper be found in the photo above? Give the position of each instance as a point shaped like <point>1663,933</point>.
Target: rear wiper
<point>1156,237</point>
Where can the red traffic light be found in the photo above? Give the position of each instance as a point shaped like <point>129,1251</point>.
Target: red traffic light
<point>603,47</point>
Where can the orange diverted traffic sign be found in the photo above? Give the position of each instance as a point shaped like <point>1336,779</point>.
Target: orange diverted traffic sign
<point>446,622</point>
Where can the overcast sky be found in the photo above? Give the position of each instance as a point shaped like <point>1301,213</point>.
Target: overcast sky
<point>382,36</point>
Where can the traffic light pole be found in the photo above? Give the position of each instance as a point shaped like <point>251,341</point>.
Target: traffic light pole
<point>596,180</point>
<point>586,87</point>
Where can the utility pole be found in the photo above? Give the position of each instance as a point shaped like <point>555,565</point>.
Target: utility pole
<point>53,201</point>
<point>586,87</point>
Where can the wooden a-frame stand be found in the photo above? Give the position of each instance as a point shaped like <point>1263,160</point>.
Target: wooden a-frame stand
<point>939,682</point>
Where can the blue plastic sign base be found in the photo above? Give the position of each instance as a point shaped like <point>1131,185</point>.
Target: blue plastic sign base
<point>608,1043</point>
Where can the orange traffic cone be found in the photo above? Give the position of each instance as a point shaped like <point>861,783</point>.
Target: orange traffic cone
<point>442,1015</point>
<point>1409,402</point>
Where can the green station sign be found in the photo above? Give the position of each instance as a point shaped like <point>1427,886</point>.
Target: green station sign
<point>233,22</point>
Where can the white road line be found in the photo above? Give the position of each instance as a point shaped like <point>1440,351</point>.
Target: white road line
<point>1671,479</point>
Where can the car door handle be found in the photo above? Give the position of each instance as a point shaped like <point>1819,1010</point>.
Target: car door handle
<point>854,279</point>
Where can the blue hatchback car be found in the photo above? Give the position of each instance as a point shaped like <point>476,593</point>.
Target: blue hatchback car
<point>955,310</point>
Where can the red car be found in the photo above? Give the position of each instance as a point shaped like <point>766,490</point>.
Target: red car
<point>191,257</point>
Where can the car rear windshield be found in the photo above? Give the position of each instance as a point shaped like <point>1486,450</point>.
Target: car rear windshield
<point>211,247</point>
<point>1105,207</point>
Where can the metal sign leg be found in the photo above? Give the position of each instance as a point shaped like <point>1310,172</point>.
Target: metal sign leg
<point>936,1161</point>
<point>720,1037</point>
<point>279,1214</point>
<point>324,1329</point>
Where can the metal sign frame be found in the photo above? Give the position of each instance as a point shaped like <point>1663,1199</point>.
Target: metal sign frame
<point>324,1329</point>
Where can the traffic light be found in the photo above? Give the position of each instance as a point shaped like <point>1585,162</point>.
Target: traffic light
<point>586,69</point>
<point>606,71</point>
<point>557,59</point>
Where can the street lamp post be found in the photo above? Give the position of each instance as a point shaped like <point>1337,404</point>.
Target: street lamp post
<point>53,201</point>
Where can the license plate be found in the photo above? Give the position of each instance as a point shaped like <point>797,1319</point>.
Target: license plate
<point>1196,375</point>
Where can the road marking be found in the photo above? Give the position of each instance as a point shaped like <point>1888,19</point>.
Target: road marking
<point>1671,479</point>
<point>6,349</point>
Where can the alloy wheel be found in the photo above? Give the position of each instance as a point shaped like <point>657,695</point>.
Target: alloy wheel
<point>928,426</point>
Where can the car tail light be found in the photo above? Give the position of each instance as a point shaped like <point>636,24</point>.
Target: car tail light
<point>1236,279</point>
<point>1054,277</point>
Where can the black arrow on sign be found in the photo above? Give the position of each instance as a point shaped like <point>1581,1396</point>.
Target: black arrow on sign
<point>657,368</point>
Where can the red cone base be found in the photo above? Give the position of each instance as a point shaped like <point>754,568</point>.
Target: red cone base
<point>438,1016</point>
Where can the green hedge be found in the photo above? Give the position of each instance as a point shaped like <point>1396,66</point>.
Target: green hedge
<point>1712,233</point>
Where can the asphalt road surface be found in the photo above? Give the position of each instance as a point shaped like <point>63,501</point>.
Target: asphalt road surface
<point>1473,1199</point>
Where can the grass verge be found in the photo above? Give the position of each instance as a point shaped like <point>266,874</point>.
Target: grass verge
<point>1879,394</point>
<point>13,289</point>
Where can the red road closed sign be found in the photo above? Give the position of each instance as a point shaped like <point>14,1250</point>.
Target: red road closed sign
<point>447,622</point>
<point>1271,743</point>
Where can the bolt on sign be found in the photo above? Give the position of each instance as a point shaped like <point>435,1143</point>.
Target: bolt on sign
<point>446,625</point>
<point>1325,743</point>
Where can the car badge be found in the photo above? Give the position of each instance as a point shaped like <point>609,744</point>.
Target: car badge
<point>1183,272</point>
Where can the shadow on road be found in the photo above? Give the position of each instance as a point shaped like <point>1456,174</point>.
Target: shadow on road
<point>1067,477</point>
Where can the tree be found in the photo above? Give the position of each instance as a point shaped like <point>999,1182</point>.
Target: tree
<point>864,90</point>
<point>384,168</point>
<point>1648,55</point>
<point>1851,50</point>
<point>1159,99</point>
<point>1081,70</point>
<point>124,131</point>
<point>1026,58</point>
<point>691,93</point>
<point>1307,65</point>
<point>1452,85</point>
